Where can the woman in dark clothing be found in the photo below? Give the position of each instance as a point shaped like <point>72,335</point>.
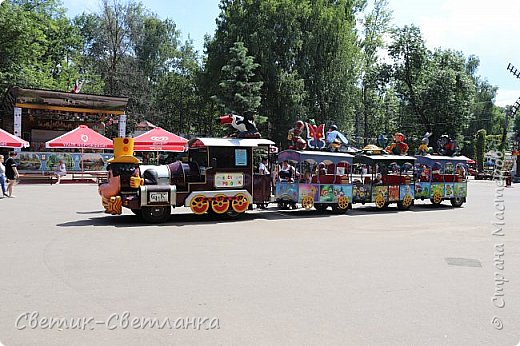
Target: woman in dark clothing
<point>11,174</point>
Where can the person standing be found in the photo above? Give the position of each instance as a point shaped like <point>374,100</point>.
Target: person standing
<point>286,172</point>
<point>11,173</point>
<point>2,177</point>
<point>262,167</point>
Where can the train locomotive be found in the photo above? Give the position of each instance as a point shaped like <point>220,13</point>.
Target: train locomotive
<point>218,178</point>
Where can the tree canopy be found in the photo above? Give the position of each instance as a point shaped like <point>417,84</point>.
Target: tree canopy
<point>338,62</point>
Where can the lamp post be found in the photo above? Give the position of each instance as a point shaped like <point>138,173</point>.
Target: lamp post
<point>516,143</point>
<point>516,153</point>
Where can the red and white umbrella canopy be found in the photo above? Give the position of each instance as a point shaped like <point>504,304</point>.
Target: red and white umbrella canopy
<point>80,137</point>
<point>8,140</point>
<point>158,139</point>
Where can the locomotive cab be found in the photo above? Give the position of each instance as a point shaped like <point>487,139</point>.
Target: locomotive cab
<point>220,176</point>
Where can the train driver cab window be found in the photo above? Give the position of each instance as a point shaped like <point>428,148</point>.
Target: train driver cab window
<point>199,156</point>
<point>229,157</point>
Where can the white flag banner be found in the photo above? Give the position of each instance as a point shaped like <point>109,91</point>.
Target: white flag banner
<point>122,125</point>
<point>18,122</point>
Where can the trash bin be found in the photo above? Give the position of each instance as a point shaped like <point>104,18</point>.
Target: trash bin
<point>508,180</point>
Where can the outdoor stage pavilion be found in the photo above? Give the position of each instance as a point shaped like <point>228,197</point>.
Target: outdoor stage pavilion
<point>40,115</point>
<point>37,116</point>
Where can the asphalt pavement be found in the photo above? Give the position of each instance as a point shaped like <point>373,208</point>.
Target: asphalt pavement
<point>72,275</point>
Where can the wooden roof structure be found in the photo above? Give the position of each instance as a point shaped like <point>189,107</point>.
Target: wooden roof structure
<point>65,101</point>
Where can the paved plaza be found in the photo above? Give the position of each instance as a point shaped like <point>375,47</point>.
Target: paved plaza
<point>72,275</point>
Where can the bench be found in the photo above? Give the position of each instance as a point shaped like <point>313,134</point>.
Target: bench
<point>99,176</point>
<point>38,177</point>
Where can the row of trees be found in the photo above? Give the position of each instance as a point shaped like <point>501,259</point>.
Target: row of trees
<point>337,62</point>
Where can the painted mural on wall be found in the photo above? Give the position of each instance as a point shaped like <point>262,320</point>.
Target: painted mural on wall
<point>48,161</point>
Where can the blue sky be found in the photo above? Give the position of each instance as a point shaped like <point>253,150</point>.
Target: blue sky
<point>487,29</point>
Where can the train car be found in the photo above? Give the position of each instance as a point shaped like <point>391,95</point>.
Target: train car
<point>315,179</point>
<point>440,178</point>
<point>384,179</point>
<point>217,177</point>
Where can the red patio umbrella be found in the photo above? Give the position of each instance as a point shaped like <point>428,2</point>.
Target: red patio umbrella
<point>8,140</point>
<point>158,139</point>
<point>82,138</point>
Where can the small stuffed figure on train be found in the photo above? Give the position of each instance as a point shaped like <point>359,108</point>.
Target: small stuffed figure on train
<point>424,149</point>
<point>399,147</point>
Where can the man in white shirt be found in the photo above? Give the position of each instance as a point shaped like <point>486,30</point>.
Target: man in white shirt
<point>262,167</point>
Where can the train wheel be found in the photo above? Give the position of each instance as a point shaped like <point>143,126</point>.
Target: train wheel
<point>437,198</point>
<point>308,202</point>
<point>199,205</point>
<point>156,214</point>
<point>220,204</point>
<point>343,202</point>
<point>405,203</point>
<point>240,203</point>
<point>380,201</point>
<point>457,202</point>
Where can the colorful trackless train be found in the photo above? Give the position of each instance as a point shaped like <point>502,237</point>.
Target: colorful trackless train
<point>219,176</point>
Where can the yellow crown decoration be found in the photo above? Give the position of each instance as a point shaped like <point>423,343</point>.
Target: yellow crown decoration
<point>372,149</point>
<point>124,151</point>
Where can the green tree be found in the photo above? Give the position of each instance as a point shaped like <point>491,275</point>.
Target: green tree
<point>239,92</point>
<point>140,56</point>
<point>306,52</point>
<point>179,105</point>
<point>370,117</point>
<point>435,88</point>
<point>448,95</point>
<point>480,149</point>
<point>38,46</point>
<point>411,71</point>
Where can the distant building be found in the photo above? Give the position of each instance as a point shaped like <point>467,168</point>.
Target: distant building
<point>38,115</point>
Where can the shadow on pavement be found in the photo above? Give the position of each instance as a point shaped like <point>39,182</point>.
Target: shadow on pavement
<point>392,209</point>
<point>189,219</point>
